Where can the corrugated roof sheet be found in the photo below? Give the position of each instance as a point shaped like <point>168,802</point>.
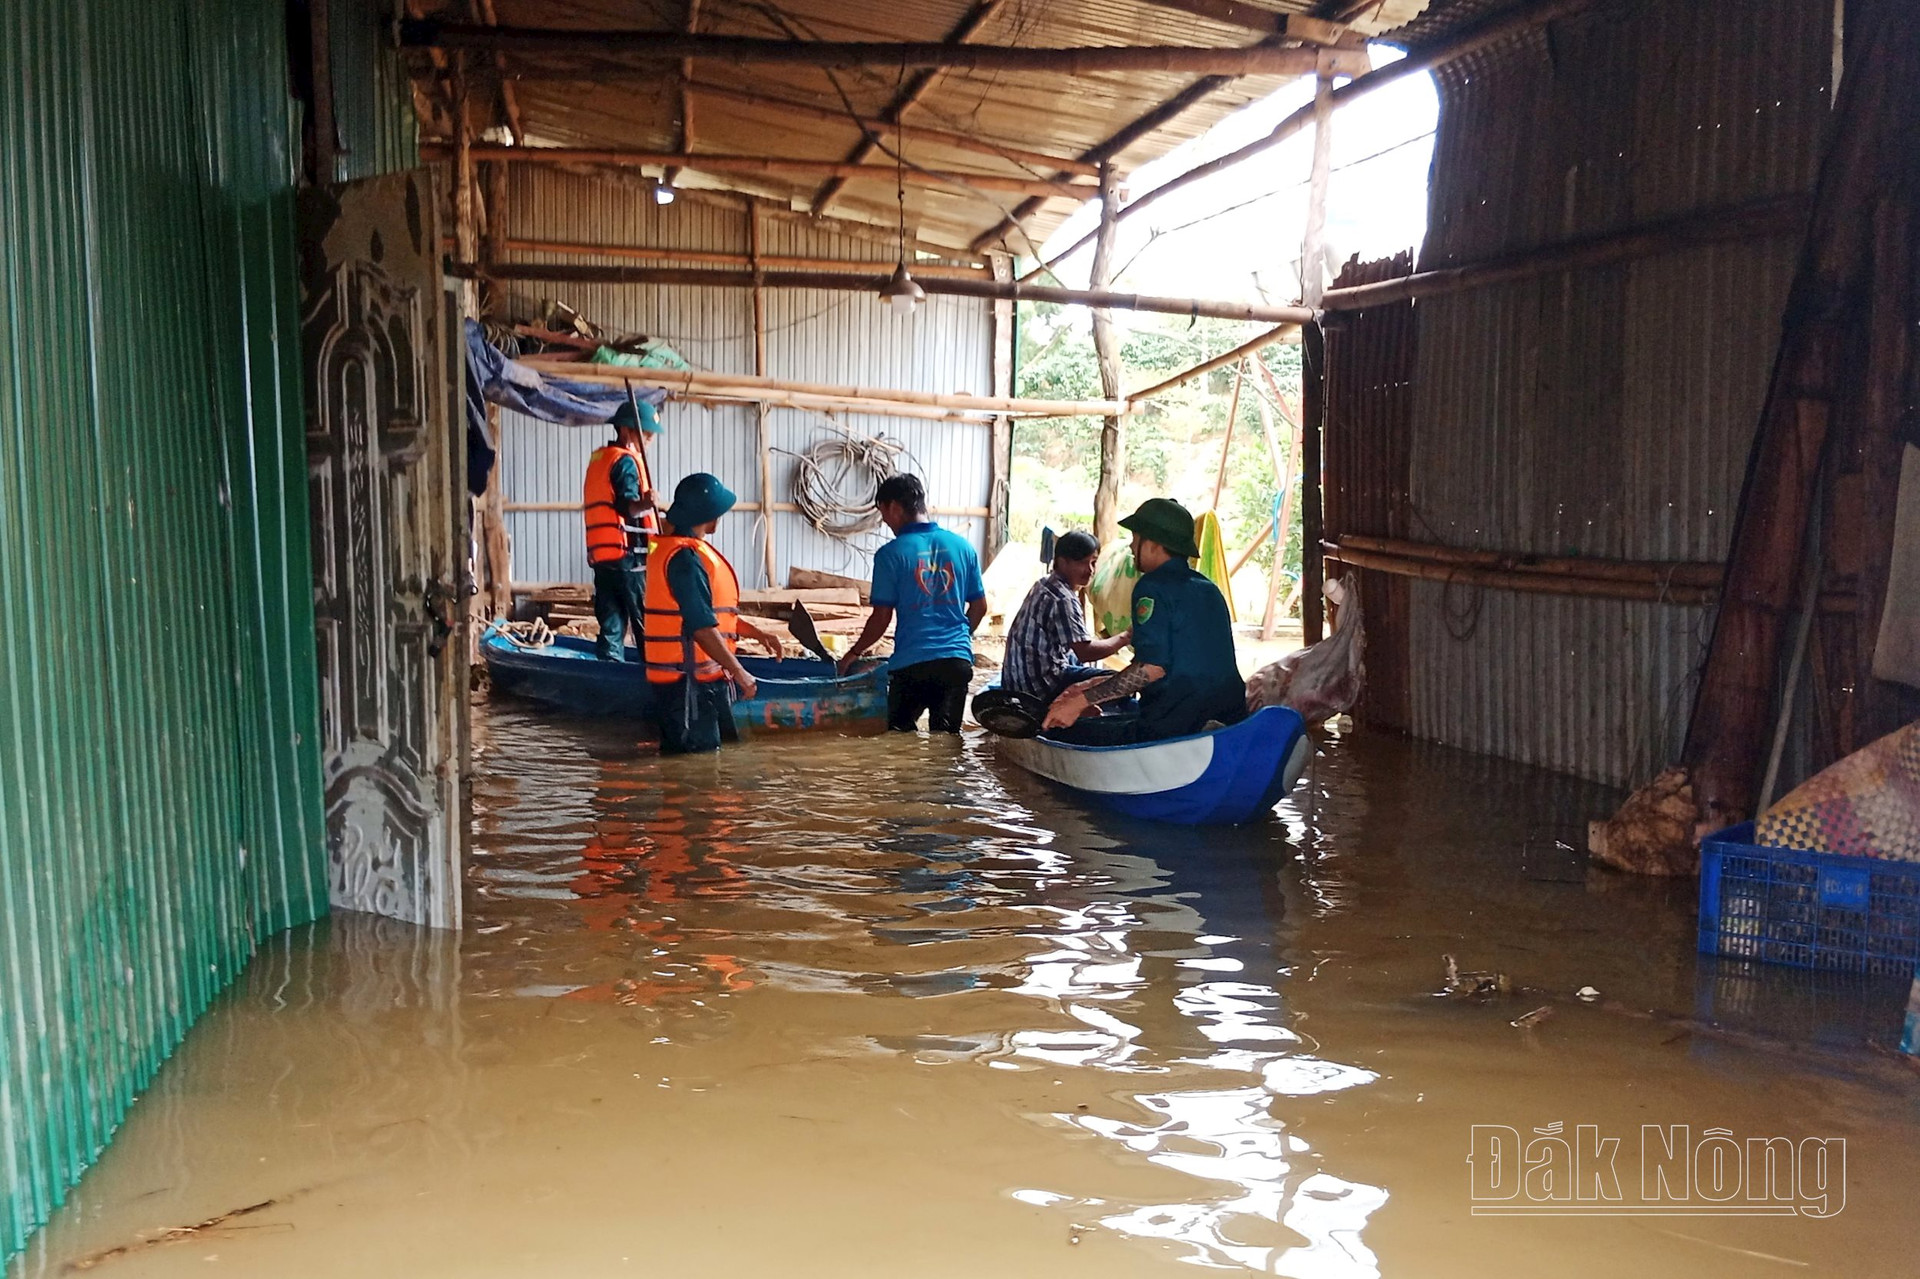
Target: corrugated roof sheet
<point>1031,111</point>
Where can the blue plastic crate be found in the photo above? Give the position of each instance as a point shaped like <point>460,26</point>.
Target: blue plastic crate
<point>1811,910</point>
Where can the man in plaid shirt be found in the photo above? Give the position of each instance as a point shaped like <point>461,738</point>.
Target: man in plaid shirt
<point>1048,644</point>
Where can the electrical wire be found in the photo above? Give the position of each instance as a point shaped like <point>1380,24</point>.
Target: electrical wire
<point>826,472</point>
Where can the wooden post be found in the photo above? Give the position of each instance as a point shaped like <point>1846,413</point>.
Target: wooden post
<point>464,236</point>
<point>762,411</point>
<point>672,173</point>
<point>1106,346</point>
<point>1000,459</point>
<point>495,596</point>
<point>1313,249</point>
<point>1313,368</point>
<point>1226,441</point>
<point>1872,151</point>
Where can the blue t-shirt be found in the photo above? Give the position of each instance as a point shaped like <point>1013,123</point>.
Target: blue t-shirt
<point>927,576</point>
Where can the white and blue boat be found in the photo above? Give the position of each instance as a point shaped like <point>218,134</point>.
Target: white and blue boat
<point>1225,777</point>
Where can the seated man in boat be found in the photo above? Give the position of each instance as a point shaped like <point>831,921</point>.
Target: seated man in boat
<point>1184,667</point>
<point>1048,644</point>
<point>690,623</point>
<point>620,519</point>
<point>927,582</point>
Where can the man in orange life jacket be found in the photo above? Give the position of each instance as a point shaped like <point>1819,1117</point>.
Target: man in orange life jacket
<point>691,620</point>
<point>620,518</point>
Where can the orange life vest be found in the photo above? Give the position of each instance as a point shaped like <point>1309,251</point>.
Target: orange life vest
<point>669,654</point>
<point>609,536</point>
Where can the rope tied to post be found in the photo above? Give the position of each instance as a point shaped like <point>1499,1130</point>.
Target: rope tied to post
<point>835,479</point>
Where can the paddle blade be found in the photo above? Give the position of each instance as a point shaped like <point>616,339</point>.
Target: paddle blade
<point>1006,713</point>
<point>800,622</point>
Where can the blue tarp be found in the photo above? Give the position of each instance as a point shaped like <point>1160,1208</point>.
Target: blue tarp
<point>492,378</point>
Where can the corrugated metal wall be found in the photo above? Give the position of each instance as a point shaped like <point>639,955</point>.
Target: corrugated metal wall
<point>833,337</point>
<point>1605,411</point>
<point>159,782</point>
<point>375,128</point>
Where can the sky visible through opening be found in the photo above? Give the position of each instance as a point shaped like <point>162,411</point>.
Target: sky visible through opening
<point>1237,235</point>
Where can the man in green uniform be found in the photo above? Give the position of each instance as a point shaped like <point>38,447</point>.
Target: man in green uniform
<point>1183,661</point>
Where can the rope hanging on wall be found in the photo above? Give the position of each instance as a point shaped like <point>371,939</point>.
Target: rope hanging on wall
<point>834,481</point>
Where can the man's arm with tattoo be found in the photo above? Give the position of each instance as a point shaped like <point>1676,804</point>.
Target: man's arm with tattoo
<point>1125,684</point>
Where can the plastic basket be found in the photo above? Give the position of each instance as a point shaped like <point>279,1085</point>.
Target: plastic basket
<point>1810,910</point>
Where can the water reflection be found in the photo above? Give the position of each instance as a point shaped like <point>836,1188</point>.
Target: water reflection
<point>903,1012</point>
<point>1036,940</point>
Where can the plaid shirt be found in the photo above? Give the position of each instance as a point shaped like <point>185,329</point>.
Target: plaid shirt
<point>1040,642</point>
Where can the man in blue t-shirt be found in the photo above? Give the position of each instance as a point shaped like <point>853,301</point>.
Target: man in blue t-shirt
<point>927,583</point>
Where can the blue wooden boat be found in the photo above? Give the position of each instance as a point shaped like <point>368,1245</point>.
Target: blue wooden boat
<point>1222,778</point>
<point>794,692</point>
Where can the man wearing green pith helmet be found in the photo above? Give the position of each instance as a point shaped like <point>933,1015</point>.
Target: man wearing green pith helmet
<point>1183,661</point>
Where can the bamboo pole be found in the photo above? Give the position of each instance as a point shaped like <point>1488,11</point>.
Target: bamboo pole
<point>960,512</point>
<point>762,431</point>
<point>1512,580</point>
<point>629,158</point>
<point>568,273</point>
<point>1777,215</point>
<point>1266,531</point>
<point>1473,40</point>
<point>1693,574</point>
<point>1270,619</point>
<point>696,380</point>
<point>1106,348</point>
<point>1313,250</point>
<point>1226,442</point>
<point>911,132</point>
<point>716,257</point>
<point>1313,409</point>
<point>829,404</point>
<point>1247,348</point>
<point>549,43</point>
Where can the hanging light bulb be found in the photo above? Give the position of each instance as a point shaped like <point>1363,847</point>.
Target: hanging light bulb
<point>903,293</point>
<point>662,193</point>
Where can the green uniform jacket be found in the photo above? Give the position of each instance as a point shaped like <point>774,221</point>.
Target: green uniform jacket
<point>1180,624</point>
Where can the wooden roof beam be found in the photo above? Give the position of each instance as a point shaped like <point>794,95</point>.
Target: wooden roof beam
<point>1164,114</point>
<point>697,277</point>
<point>622,157</point>
<point>1264,58</point>
<point>944,137</point>
<point>1232,13</point>
<point>965,29</point>
<point>1506,25</point>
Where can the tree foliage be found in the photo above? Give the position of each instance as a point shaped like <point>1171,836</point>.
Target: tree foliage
<point>1172,444</point>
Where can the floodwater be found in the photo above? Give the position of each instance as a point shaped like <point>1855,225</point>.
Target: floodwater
<point>877,1006</point>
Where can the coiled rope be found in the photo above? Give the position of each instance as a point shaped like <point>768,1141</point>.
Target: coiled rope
<point>835,478</point>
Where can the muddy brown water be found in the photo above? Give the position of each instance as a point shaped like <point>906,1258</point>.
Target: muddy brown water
<point>880,1005</point>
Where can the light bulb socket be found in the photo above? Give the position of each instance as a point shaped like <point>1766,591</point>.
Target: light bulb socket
<point>903,293</point>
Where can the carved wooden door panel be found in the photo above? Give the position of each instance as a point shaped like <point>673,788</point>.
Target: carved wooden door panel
<point>388,498</point>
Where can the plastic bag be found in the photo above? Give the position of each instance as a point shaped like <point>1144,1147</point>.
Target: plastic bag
<point>1110,593</point>
<point>1324,679</point>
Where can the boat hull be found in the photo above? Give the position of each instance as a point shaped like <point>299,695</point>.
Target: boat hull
<point>794,693</point>
<point>1222,778</point>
